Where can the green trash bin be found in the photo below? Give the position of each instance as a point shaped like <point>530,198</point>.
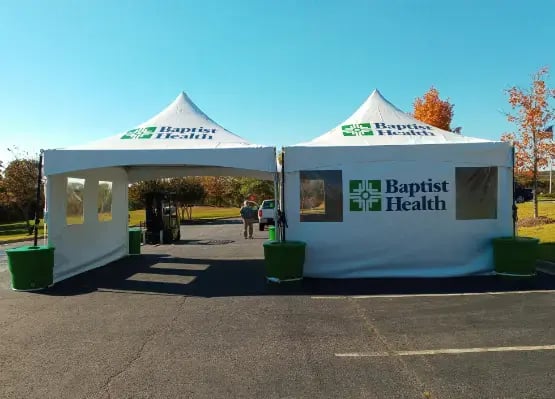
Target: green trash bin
<point>31,268</point>
<point>135,241</point>
<point>272,233</point>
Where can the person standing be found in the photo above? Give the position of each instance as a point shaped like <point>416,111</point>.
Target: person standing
<point>248,219</point>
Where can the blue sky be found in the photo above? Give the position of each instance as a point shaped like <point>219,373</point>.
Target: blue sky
<point>272,72</point>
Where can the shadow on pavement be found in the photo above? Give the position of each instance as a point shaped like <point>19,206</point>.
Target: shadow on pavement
<point>214,222</point>
<point>167,275</point>
<point>203,242</point>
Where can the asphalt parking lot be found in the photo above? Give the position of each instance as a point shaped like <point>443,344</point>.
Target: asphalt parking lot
<point>197,320</point>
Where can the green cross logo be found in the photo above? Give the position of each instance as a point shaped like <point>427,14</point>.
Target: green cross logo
<point>365,195</point>
<point>357,129</point>
<point>140,133</point>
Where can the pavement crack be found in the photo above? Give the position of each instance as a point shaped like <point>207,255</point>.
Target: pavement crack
<point>411,373</point>
<point>129,364</point>
<point>139,353</point>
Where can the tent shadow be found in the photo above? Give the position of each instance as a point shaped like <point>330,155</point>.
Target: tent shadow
<point>160,274</point>
<point>203,242</point>
<point>211,222</point>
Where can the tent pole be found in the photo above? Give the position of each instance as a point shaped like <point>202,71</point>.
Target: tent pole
<point>515,209</point>
<point>282,195</point>
<point>276,207</point>
<point>45,212</point>
<point>37,204</point>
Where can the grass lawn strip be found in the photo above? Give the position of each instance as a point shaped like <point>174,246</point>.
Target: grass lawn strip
<point>545,232</point>
<point>13,232</point>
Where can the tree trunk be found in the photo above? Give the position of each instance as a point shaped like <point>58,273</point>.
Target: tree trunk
<point>535,176</point>
<point>182,212</point>
<point>536,191</point>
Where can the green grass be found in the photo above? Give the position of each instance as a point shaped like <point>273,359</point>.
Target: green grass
<point>545,208</point>
<point>199,212</point>
<point>71,220</point>
<point>546,233</point>
<point>17,231</point>
<point>11,232</point>
<point>104,217</point>
<point>136,217</point>
<point>75,219</point>
<point>208,212</point>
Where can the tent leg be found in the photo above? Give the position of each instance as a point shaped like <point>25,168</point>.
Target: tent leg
<point>282,195</point>
<point>276,207</point>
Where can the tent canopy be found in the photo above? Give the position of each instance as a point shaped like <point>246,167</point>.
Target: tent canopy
<point>179,141</point>
<point>181,138</point>
<point>385,195</point>
<point>378,122</point>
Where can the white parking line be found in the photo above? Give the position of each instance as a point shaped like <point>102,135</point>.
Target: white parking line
<point>433,295</point>
<point>449,351</point>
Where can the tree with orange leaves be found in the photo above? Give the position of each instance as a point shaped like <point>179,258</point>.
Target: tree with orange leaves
<point>533,144</point>
<point>18,187</point>
<point>433,110</point>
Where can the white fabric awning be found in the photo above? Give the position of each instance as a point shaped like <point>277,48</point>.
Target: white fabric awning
<point>181,136</point>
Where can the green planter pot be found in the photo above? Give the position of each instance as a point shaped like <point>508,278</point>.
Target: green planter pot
<point>546,251</point>
<point>284,261</point>
<point>515,256</point>
<point>134,241</point>
<point>31,268</point>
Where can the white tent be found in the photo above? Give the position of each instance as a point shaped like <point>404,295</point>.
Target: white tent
<point>179,141</point>
<point>385,195</point>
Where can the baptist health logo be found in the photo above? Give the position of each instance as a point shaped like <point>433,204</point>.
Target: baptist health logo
<point>383,129</point>
<point>392,195</point>
<point>357,129</point>
<point>140,133</point>
<point>170,133</point>
<point>365,195</point>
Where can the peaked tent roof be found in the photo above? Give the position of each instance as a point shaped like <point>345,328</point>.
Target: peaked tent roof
<point>378,122</point>
<point>180,125</point>
<point>180,140</point>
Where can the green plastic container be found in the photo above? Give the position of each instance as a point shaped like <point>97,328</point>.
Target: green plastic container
<point>272,233</point>
<point>284,260</point>
<point>546,251</point>
<point>134,241</point>
<point>31,268</point>
<point>515,256</point>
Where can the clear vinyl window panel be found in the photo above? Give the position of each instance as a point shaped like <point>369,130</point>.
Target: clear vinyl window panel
<point>321,196</point>
<point>75,210</point>
<point>104,201</point>
<point>476,190</point>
